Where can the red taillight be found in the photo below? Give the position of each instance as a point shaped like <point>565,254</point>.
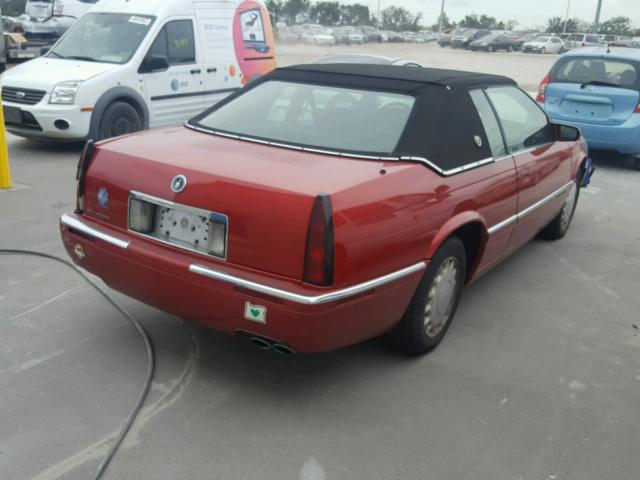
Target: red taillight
<point>318,257</point>
<point>637,110</point>
<point>83,166</point>
<point>542,89</point>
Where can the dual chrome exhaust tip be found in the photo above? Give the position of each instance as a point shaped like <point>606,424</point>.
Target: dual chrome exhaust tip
<point>267,344</point>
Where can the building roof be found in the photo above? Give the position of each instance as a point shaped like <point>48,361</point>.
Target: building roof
<point>433,76</point>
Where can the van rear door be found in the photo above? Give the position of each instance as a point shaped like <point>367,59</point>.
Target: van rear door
<point>593,90</point>
<point>175,94</point>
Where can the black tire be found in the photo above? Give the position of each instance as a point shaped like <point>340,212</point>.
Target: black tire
<point>411,336</point>
<point>559,226</point>
<point>636,163</point>
<point>119,118</point>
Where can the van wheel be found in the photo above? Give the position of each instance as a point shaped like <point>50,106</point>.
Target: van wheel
<point>119,118</point>
<point>434,303</point>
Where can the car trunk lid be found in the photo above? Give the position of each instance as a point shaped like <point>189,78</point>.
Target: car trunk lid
<point>267,193</point>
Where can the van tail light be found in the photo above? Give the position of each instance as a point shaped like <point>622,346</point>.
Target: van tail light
<point>81,173</point>
<point>637,110</point>
<point>318,257</point>
<point>542,89</point>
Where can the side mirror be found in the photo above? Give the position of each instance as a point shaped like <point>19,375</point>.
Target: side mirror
<point>567,133</point>
<point>154,63</point>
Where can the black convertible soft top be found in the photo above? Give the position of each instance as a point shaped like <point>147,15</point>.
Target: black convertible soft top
<point>394,73</point>
<point>444,126</point>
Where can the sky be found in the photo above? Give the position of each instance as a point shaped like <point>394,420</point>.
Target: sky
<point>528,13</point>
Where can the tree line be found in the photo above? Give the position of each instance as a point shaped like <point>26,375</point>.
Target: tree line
<point>336,14</point>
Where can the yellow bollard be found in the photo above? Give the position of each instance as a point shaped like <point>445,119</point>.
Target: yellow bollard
<point>5,173</point>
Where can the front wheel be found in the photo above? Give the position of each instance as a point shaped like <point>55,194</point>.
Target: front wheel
<point>559,226</point>
<point>119,118</point>
<point>435,301</point>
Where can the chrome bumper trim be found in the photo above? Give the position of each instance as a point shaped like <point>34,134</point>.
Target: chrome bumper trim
<point>76,224</point>
<point>305,299</point>
<point>514,218</point>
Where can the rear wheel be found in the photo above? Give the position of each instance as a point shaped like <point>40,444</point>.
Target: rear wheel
<point>559,226</point>
<point>119,118</point>
<point>435,301</point>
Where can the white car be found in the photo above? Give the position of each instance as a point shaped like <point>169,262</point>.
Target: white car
<point>127,66</point>
<point>545,44</point>
<point>367,59</point>
<point>319,38</point>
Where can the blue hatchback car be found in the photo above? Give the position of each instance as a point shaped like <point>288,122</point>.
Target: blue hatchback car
<point>597,89</point>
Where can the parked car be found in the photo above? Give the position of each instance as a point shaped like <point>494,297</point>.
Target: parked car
<point>318,37</point>
<point>598,90</point>
<point>577,40</point>
<point>394,37</point>
<point>544,44</point>
<point>286,35</point>
<point>115,72</point>
<point>528,37</point>
<point>372,34</point>
<point>464,39</point>
<point>311,225</point>
<point>493,42</point>
<point>298,31</point>
<point>367,59</point>
<point>444,39</point>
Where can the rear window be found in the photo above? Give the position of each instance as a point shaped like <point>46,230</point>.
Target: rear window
<point>317,116</point>
<point>617,73</point>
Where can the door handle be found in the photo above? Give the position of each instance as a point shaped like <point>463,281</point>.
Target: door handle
<point>195,71</point>
<point>212,70</point>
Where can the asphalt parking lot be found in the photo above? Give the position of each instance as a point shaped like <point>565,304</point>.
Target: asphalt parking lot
<point>538,377</point>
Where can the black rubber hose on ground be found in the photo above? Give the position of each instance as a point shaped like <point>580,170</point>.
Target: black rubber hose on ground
<point>145,338</point>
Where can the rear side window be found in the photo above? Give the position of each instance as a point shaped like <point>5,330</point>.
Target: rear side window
<point>618,73</point>
<point>525,125</point>
<point>175,41</point>
<point>489,122</point>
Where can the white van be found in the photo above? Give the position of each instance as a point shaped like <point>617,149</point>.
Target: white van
<point>128,65</point>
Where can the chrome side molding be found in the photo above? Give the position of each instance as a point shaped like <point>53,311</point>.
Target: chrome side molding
<point>306,299</point>
<point>531,208</point>
<point>75,224</point>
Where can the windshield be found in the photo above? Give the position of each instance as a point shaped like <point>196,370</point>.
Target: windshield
<point>103,37</point>
<point>617,73</point>
<point>318,116</point>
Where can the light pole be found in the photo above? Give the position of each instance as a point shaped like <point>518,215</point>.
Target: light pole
<point>566,17</point>
<point>441,18</point>
<point>597,20</point>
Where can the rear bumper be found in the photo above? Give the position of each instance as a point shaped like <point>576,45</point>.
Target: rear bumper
<point>624,138</point>
<point>215,293</point>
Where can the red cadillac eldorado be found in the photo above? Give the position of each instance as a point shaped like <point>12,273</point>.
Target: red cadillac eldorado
<point>323,205</point>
